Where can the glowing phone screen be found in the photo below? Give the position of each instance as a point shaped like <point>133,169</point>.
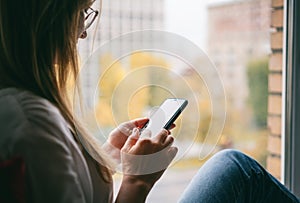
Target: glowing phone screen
<point>164,116</point>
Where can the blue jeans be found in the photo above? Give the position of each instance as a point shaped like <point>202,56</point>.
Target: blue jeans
<point>231,176</point>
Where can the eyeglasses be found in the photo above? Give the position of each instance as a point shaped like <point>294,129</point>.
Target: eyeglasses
<point>89,17</point>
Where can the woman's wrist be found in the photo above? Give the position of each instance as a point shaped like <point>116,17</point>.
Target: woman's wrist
<point>134,180</point>
<point>133,189</point>
<point>113,151</point>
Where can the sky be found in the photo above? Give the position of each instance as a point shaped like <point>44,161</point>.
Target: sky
<point>188,18</point>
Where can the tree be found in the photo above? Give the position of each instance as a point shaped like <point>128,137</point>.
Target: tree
<point>257,73</point>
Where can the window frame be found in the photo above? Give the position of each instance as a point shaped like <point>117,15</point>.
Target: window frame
<point>291,158</point>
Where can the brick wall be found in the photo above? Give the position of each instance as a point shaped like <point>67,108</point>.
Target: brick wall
<point>275,90</point>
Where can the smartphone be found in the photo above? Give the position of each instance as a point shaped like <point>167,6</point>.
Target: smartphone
<point>163,117</point>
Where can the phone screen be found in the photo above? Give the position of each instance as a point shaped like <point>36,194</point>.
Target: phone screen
<point>163,117</point>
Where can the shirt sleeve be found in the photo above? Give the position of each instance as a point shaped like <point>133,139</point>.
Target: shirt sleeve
<point>50,169</point>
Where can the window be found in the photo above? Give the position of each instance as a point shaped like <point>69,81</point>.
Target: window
<point>243,39</point>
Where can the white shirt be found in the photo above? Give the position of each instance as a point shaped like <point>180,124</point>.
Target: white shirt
<point>55,168</point>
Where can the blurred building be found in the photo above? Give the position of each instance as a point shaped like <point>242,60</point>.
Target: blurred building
<point>118,17</point>
<point>238,32</point>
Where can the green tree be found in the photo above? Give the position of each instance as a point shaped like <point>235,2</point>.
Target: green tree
<point>257,72</point>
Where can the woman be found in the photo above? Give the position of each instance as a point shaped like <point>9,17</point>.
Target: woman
<point>38,41</point>
<point>63,163</point>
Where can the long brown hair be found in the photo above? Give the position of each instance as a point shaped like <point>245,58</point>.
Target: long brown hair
<point>38,43</point>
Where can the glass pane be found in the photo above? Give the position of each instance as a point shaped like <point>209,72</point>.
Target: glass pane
<point>213,53</point>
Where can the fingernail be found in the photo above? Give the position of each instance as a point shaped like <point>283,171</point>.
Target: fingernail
<point>135,133</point>
<point>165,131</point>
<point>135,130</point>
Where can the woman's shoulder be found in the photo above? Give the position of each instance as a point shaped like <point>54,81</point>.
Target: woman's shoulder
<point>24,103</point>
<point>25,116</point>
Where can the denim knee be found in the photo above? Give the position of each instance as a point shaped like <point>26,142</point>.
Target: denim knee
<point>231,176</point>
<point>238,161</point>
<point>230,154</point>
<point>221,179</point>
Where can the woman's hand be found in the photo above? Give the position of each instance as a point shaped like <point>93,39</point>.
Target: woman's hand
<point>119,135</point>
<point>144,161</point>
<point>147,159</point>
